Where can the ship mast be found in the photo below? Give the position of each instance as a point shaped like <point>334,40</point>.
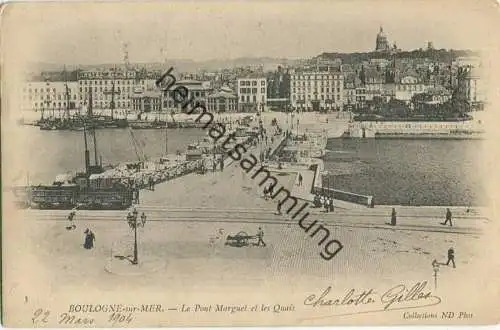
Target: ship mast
<point>161,106</point>
<point>90,115</point>
<point>113,95</point>
<point>87,155</point>
<point>66,93</point>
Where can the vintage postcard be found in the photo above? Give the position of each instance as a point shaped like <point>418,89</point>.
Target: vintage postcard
<point>221,163</point>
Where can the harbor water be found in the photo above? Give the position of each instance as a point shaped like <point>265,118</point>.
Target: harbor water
<point>57,152</point>
<point>408,172</point>
<point>398,172</point>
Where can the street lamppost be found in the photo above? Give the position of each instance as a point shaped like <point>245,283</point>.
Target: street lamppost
<point>133,222</point>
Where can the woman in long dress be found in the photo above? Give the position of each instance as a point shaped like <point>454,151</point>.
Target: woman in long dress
<point>89,239</point>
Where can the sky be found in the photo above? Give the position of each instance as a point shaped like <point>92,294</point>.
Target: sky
<point>83,33</point>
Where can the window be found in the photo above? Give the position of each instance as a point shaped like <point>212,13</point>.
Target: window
<point>262,90</point>
<point>242,98</point>
<point>262,83</point>
<point>254,90</point>
<point>254,83</point>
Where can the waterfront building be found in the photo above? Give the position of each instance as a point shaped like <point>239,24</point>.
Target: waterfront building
<point>381,43</point>
<point>360,97</point>
<point>222,101</point>
<point>407,87</point>
<point>374,81</point>
<point>278,89</point>
<point>50,95</point>
<point>433,97</point>
<point>147,101</point>
<point>470,89</point>
<point>317,91</point>
<point>100,84</point>
<point>252,93</point>
<point>198,92</point>
<point>349,96</point>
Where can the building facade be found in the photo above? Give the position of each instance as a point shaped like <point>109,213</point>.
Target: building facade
<point>470,89</point>
<point>53,96</point>
<point>147,101</point>
<point>108,85</point>
<point>252,94</point>
<point>198,92</point>
<point>222,101</point>
<point>317,91</point>
<point>407,87</point>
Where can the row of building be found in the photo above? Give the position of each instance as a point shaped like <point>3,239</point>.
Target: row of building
<point>309,90</point>
<point>315,85</point>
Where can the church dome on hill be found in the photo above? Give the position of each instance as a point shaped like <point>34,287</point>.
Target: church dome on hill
<point>382,44</point>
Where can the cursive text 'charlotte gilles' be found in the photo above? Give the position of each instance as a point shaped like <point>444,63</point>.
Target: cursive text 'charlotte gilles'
<point>397,297</point>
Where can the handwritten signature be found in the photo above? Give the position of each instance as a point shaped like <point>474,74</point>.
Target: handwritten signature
<point>397,297</point>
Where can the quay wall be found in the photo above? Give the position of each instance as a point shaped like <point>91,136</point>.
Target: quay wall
<point>371,129</point>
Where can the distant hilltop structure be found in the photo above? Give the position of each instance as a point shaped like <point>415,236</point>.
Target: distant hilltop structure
<point>382,44</point>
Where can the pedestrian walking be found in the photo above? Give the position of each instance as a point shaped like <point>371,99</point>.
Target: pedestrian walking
<point>300,179</point>
<point>214,165</point>
<point>136,193</point>
<point>143,219</point>
<point>393,217</point>
<point>448,218</point>
<point>451,257</point>
<point>221,164</point>
<point>326,205</point>
<point>71,224</point>
<point>260,236</point>
<point>130,220</point>
<point>278,208</point>
<point>332,207</point>
<point>89,239</point>
<point>135,213</point>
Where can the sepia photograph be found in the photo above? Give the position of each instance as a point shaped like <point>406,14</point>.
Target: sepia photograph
<point>250,163</point>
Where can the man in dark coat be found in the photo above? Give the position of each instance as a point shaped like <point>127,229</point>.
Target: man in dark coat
<point>451,257</point>
<point>71,217</point>
<point>89,239</point>
<point>448,218</point>
<point>260,235</point>
<point>393,217</point>
<point>332,207</point>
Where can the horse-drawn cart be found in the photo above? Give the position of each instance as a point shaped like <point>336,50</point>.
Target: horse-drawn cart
<point>240,239</point>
